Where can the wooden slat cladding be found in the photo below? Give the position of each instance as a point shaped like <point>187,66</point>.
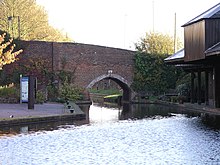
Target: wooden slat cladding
<point>212,34</point>
<point>194,40</point>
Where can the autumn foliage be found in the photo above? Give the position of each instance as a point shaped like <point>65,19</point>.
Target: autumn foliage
<point>7,56</point>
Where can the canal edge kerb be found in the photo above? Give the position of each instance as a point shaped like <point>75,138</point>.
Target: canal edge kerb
<point>41,119</point>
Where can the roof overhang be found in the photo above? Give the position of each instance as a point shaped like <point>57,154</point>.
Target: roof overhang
<point>214,50</point>
<point>208,14</point>
<point>176,58</point>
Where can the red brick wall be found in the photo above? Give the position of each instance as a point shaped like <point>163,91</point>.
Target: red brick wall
<point>90,61</point>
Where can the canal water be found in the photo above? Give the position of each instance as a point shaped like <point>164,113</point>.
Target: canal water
<point>137,134</point>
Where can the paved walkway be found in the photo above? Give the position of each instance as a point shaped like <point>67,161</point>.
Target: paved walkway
<point>201,108</point>
<point>21,110</point>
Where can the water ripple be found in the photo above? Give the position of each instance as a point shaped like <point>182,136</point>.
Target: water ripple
<point>175,140</point>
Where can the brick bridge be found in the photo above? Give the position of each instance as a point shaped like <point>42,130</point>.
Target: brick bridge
<point>90,63</point>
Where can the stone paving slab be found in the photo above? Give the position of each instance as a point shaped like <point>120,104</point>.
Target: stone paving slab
<point>40,110</point>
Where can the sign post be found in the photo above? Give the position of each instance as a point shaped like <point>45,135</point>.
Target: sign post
<point>31,92</point>
<point>24,89</point>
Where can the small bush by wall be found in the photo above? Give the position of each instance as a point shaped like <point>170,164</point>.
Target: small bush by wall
<point>9,95</point>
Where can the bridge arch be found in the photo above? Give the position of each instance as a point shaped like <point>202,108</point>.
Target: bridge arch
<point>122,82</point>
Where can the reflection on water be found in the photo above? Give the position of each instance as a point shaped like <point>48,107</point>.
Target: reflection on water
<point>31,128</point>
<point>132,134</point>
<point>114,112</point>
<point>104,112</point>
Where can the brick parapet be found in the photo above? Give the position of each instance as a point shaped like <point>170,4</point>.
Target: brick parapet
<point>90,61</point>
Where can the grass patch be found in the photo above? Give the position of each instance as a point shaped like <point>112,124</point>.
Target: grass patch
<point>106,91</point>
<point>112,96</point>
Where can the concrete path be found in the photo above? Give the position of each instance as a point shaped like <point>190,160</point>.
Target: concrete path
<point>40,110</point>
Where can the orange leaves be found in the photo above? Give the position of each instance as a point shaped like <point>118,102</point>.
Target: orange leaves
<point>7,56</point>
<point>2,37</point>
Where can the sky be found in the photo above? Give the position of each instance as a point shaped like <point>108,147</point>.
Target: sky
<point>121,23</point>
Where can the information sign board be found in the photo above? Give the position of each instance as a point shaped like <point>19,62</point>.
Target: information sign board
<point>24,89</point>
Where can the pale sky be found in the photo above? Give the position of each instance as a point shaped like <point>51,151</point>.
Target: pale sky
<point>121,23</point>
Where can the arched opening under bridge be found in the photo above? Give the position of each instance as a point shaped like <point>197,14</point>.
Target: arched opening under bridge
<point>124,85</point>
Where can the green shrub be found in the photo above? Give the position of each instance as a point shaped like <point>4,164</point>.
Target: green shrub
<point>181,99</point>
<point>70,92</point>
<point>52,93</point>
<point>183,89</point>
<point>40,97</point>
<point>9,92</point>
<point>174,99</point>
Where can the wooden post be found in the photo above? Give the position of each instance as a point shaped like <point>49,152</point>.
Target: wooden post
<point>192,99</point>
<point>217,86</point>
<point>31,92</point>
<point>214,87</point>
<point>199,88</point>
<point>207,87</point>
